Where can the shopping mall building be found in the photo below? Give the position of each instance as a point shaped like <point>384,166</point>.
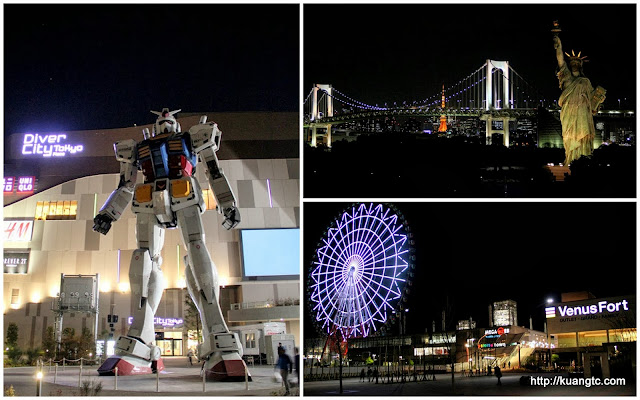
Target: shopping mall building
<point>594,335</point>
<point>56,182</point>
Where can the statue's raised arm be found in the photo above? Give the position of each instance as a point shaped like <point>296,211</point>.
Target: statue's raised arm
<point>557,44</point>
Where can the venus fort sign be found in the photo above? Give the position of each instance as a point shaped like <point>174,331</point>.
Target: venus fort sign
<point>601,307</point>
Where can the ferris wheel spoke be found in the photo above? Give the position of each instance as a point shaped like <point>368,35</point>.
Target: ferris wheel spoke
<point>358,240</point>
<point>368,301</point>
<point>384,249</point>
<point>369,228</point>
<point>335,258</point>
<point>372,230</point>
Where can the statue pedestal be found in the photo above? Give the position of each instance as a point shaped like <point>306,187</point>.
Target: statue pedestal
<point>559,171</point>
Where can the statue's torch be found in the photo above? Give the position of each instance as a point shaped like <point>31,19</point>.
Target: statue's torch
<point>556,28</point>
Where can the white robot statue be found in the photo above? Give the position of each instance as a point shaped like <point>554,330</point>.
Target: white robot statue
<point>170,196</point>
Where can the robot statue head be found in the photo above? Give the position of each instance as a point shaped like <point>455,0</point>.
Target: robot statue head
<point>166,122</point>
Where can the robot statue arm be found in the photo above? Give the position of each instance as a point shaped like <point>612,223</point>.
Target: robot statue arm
<point>119,199</point>
<point>205,139</point>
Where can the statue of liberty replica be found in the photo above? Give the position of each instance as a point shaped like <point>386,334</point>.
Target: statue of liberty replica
<point>579,102</point>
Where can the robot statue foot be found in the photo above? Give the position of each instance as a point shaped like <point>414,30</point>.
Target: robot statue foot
<point>227,367</point>
<point>133,357</point>
<point>130,365</point>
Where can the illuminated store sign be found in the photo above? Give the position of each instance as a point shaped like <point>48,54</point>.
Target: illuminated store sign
<point>589,309</point>
<point>52,145</point>
<point>491,345</point>
<point>17,231</point>
<point>166,322</point>
<point>21,184</point>
<point>16,262</point>
<point>26,184</point>
<point>499,331</point>
<point>8,183</point>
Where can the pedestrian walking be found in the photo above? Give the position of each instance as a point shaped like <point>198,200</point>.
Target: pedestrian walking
<point>369,373</point>
<point>362,375</point>
<point>296,364</point>
<point>190,356</point>
<point>498,374</point>
<point>285,366</point>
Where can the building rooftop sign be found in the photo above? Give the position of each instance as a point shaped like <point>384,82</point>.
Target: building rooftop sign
<point>49,145</point>
<point>601,307</point>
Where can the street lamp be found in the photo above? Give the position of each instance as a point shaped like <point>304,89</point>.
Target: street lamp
<point>39,383</point>
<point>549,301</point>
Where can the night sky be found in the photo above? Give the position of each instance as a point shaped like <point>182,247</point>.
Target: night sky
<point>83,67</point>
<point>478,253</point>
<point>384,53</point>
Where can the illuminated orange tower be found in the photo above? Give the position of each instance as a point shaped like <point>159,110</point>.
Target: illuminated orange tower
<point>443,118</point>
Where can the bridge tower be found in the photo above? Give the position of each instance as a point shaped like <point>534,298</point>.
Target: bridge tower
<point>498,124</point>
<point>315,112</point>
<point>507,94</point>
<point>443,118</point>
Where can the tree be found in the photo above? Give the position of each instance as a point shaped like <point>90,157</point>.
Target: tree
<point>192,316</point>
<point>13,351</point>
<point>86,344</point>
<point>69,344</point>
<point>12,335</point>
<point>49,342</point>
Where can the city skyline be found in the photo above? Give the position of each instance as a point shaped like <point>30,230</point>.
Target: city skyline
<point>422,46</point>
<point>474,254</point>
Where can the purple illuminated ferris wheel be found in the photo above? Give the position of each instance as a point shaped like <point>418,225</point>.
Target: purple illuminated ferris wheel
<point>361,271</point>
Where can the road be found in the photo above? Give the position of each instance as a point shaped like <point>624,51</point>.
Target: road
<point>464,386</point>
<point>178,379</point>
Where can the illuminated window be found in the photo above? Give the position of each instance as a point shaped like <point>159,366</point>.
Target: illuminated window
<point>592,338</point>
<point>566,339</point>
<point>209,199</point>
<point>623,335</point>
<point>15,297</point>
<point>56,210</point>
<point>250,340</point>
<point>173,335</point>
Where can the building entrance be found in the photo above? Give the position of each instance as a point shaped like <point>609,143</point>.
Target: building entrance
<point>170,343</point>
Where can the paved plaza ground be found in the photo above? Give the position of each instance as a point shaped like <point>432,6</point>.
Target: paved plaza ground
<point>178,379</point>
<point>464,386</point>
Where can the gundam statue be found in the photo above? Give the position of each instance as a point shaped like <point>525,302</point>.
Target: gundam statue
<point>170,196</point>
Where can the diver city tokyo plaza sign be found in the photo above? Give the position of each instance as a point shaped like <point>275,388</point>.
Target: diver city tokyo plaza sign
<point>601,307</point>
<point>50,145</point>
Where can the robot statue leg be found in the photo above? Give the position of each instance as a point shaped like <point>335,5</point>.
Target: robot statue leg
<point>221,350</point>
<point>135,353</point>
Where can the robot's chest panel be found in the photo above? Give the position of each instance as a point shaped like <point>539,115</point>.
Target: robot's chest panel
<point>165,156</point>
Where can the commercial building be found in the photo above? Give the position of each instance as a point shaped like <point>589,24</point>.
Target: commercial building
<point>596,335</point>
<point>505,313</point>
<point>56,182</point>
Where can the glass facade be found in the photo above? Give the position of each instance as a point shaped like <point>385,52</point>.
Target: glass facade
<point>592,338</point>
<point>566,339</point>
<point>171,345</point>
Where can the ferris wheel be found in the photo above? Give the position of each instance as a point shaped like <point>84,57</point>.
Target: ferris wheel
<point>361,271</point>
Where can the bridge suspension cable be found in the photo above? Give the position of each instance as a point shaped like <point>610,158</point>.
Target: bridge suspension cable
<point>508,90</point>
